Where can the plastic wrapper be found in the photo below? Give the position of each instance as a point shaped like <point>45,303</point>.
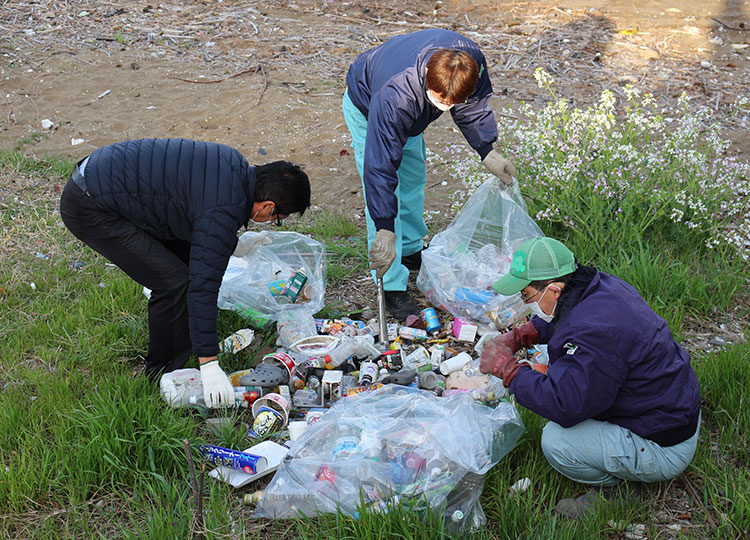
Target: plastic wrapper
<point>252,284</point>
<point>475,250</point>
<point>394,446</point>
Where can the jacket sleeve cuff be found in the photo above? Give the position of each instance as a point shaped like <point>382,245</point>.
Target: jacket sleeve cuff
<point>387,224</point>
<point>484,150</point>
<point>206,350</point>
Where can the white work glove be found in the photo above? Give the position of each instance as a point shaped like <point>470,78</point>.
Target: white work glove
<point>217,390</point>
<point>250,242</point>
<point>500,167</point>
<point>382,252</point>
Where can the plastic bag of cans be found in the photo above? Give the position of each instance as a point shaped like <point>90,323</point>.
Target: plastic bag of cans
<point>463,261</point>
<point>291,269</point>
<point>394,446</point>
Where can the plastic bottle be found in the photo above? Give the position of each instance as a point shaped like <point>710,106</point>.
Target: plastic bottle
<point>346,442</point>
<point>368,373</point>
<point>340,354</point>
<point>297,382</point>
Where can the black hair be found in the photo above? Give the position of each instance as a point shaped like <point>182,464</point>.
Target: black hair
<point>575,285</point>
<point>284,183</point>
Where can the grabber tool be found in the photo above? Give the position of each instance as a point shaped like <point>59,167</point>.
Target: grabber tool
<point>383,326</point>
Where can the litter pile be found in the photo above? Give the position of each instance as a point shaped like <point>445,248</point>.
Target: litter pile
<point>362,416</point>
<point>363,427</point>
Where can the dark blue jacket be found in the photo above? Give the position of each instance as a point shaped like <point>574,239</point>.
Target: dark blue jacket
<point>613,359</point>
<point>387,84</point>
<point>199,192</point>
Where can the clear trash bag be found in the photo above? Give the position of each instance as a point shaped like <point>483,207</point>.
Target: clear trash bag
<point>253,283</point>
<point>475,250</point>
<point>394,446</point>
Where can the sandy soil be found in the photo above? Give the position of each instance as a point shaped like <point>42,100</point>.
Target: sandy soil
<point>267,77</point>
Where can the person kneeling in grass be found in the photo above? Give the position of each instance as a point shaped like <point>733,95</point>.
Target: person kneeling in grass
<point>623,400</point>
<point>167,211</point>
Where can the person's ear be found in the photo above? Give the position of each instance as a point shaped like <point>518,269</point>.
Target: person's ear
<point>556,290</point>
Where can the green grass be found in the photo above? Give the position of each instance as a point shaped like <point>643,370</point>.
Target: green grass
<point>88,450</point>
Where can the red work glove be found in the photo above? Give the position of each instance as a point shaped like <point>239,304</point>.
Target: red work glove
<point>499,360</point>
<point>522,336</point>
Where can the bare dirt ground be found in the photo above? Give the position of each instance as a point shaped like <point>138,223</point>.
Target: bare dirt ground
<point>267,77</point>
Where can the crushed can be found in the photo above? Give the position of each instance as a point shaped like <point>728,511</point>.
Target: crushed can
<point>413,334</point>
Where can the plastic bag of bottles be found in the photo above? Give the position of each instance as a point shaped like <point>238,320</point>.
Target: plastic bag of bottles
<point>254,285</point>
<point>463,261</point>
<point>394,446</point>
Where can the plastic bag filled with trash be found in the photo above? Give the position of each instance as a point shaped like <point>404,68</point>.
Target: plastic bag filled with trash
<point>394,446</point>
<point>283,268</point>
<point>463,261</point>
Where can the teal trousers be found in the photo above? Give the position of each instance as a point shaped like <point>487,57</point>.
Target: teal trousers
<point>409,224</point>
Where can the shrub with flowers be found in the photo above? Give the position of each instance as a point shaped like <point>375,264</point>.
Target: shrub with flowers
<point>605,179</point>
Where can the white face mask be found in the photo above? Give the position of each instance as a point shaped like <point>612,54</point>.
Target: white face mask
<point>536,309</point>
<point>268,221</point>
<point>441,106</point>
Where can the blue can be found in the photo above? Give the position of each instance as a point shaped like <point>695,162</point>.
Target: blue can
<point>430,320</point>
<point>234,459</point>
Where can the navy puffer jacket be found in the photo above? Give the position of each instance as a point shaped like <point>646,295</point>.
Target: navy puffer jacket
<point>199,192</point>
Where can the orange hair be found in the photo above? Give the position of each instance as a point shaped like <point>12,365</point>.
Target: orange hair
<point>453,74</point>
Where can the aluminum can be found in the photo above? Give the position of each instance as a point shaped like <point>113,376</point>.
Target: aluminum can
<point>234,459</point>
<point>430,320</point>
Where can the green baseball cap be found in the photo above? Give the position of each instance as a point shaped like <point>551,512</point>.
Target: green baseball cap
<point>536,259</point>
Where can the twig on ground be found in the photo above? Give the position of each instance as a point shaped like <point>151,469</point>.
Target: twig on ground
<point>254,70</point>
<point>689,487</point>
<point>265,82</point>
<point>197,493</point>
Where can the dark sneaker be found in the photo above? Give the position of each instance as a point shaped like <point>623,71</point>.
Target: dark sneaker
<point>583,505</point>
<point>578,507</point>
<point>413,261</point>
<point>400,305</point>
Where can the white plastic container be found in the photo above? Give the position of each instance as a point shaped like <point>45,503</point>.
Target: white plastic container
<point>455,363</point>
<point>182,387</point>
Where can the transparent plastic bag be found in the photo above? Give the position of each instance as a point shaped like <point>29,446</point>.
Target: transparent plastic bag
<point>295,324</point>
<point>252,283</point>
<point>475,250</point>
<point>394,446</point>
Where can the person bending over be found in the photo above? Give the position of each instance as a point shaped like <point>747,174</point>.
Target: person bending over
<point>167,211</point>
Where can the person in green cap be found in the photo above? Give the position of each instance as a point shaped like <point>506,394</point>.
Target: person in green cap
<point>622,399</point>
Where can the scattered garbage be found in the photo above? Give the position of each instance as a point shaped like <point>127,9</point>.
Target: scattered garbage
<point>374,414</point>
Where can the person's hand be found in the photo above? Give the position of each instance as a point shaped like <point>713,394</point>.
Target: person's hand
<point>500,167</point>
<point>521,336</point>
<point>382,251</point>
<point>217,390</point>
<point>249,243</point>
<point>499,361</point>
